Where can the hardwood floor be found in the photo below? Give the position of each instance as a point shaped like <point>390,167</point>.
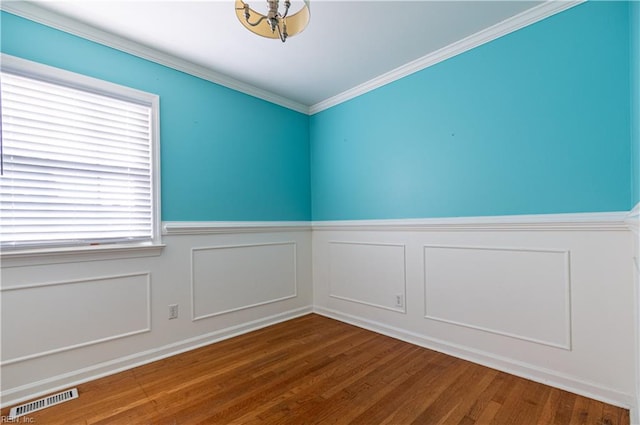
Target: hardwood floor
<point>314,370</point>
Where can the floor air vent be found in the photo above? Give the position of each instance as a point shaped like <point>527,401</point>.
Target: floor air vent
<point>43,403</point>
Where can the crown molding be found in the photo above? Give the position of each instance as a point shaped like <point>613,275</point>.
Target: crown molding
<point>498,30</point>
<point>46,17</point>
<point>38,14</point>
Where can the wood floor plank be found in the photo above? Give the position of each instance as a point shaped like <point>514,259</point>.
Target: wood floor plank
<point>594,413</point>
<point>345,364</point>
<point>318,377</point>
<point>342,396</point>
<point>611,415</point>
<point>405,393</point>
<point>470,384</point>
<point>580,415</point>
<point>418,401</point>
<point>488,414</point>
<point>315,370</point>
<point>481,403</point>
<point>524,403</point>
<point>565,408</point>
<point>469,394</point>
<point>550,407</point>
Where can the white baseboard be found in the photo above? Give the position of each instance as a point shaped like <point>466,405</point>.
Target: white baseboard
<point>77,377</point>
<point>533,373</point>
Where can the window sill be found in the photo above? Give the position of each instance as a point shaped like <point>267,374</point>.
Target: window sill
<point>43,256</point>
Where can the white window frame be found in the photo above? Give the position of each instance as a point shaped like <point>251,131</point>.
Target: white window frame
<point>22,257</point>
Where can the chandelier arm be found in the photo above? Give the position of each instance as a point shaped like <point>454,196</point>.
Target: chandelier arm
<point>262,18</point>
<point>287,5</point>
<point>283,38</point>
<point>246,16</point>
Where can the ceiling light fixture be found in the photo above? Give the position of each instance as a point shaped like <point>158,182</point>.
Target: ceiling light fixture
<point>274,24</point>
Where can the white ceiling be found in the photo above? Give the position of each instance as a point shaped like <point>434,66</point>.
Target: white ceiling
<point>347,43</point>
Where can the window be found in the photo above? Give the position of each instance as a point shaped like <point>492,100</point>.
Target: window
<point>79,160</point>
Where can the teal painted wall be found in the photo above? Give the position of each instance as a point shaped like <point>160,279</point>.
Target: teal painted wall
<point>214,167</point>
<point>534,122</point>
<point>634,16</point>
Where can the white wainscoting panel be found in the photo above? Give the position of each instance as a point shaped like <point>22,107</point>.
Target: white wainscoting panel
<point>65,323</point>
<point>368,273</point>
<point>479,287</point>
<point>543,297</point>
<point>236,277</point>
<point>45,318</point>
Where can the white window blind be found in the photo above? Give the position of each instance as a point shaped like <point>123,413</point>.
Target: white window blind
<point>76,166</point>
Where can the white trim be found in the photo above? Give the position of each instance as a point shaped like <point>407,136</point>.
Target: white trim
<point>37,257</point>
<point>156,171</point>
<point>602,221</point>
<point>524,370</point>
<point>170,228</point>
<point>486,35</point>
<point>633,219</point>
<point>40,71</point>
<point>605,221</point>
<point>244,307</point>
<point>352,300</point>
<point>74,281</point>
<point>46,17</point>
<point>77,377</point>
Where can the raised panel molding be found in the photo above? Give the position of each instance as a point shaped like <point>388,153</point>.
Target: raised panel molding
<point>478,287</point>
<point>372,274</point>
<point>47,318</point>
<point>229,278</point>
